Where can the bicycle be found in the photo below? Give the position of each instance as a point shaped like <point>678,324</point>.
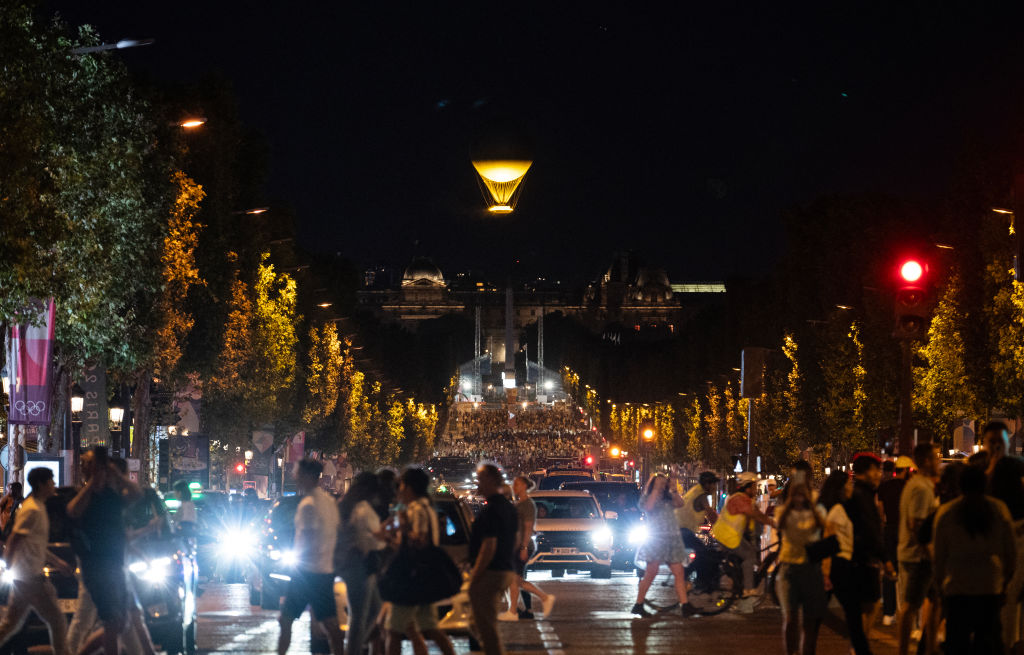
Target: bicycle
<point>722,584</point>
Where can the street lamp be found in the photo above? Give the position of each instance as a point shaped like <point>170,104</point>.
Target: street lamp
<point>191,123</point>
<point>77,402</point>
<point>116,415</point>
<point>120,45</point>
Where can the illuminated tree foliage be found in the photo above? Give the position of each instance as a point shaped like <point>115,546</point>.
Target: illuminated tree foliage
<point>323,375</point>
<point>626,420</point>
<point>842,402</point>
<point>170,322</point>
<point>1006,317</point>
<point>253,384</point>
<point>944,390</point>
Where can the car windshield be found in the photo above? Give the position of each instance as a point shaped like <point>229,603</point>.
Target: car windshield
<point>552,482</point>
<point>566,507</point>
<point>616,497</point>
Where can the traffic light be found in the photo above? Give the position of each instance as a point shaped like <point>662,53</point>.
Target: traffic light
<point>614,451</point>
<point>912,301</point>
<point>589,460</point>
<point>240,468</point>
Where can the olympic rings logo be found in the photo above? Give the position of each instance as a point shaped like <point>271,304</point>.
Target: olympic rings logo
<point>31,407</point>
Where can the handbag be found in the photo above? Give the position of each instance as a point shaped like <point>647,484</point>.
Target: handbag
<point>822,548</point>
<point>420,576</point>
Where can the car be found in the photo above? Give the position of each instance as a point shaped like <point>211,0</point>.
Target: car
<point>628,528</point>
<point>555,477</point>
<point>162,569</point>
<point>274,556</point>
<point>571,533</point>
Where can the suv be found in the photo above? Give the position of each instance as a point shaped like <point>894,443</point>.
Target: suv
<point>571,534</point>
<point>555,477</point>
<point>628,529</point>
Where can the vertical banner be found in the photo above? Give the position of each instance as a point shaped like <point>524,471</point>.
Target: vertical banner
<point>30,348</point>
<point>262,454</point>
<point>95,422</point>
<point>190,459</point>
<point>297,449</point>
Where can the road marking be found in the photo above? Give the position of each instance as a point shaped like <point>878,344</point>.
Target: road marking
<point>550,639</point>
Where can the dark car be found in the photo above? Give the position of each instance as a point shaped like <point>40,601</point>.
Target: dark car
<point>622,498</point>
<point>162,569</point>
<point>274,556</point>
<point>555,477</point>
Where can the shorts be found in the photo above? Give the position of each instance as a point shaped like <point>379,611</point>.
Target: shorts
<point>424,617</point>
<point>915,582</point>
<point>105,582</point>
<point>315,590</point>
<point>802,585</point>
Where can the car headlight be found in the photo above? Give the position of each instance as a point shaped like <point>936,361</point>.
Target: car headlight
<point>602,538</point>
<point>155,570</point>
<point>236,543</point>
<point>638,535</point>
<point>289,558</point>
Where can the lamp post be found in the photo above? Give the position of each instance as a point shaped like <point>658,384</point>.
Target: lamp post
<point>115,413</point>
<point>647,435</point>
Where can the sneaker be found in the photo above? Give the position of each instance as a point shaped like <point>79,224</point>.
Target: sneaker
<point>887,620</point>
<point>508,616</point>
<point>743,606</point>
<point>548,605</point>
<point>689,610</point>
<point>526,615</point>
<point>639,610</point>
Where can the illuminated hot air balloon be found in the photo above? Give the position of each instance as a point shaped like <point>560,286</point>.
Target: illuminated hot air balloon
<point>501,180</point>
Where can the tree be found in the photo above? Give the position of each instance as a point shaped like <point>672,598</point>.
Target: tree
<point>944,390</point>
<point>1006,318</point>
<point>253,384</point>
<point>841,405</point>
<point>86,188</point>
<point>168,318</point>
<point>323,376</point>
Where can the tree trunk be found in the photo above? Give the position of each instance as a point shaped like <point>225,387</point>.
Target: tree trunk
<point>54,441</point>
<point>142,408</point>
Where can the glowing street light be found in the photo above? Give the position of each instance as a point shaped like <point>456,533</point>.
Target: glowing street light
<point>192,123</point>
<point>120,45</point>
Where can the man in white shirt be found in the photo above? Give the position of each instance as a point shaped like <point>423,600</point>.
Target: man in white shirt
<point>915,581</point>
<point>26,553</point>
<point>312,583</point>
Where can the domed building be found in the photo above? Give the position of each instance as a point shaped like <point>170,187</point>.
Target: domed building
<point>422,272</point>
<point>652,286</point>
<point>423,283</point>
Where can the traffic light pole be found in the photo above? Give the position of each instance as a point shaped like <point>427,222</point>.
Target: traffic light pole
<point>905,431</point>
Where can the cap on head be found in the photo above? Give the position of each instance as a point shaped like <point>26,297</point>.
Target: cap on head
<point>904,462</point>
<point>864,461</point>
<point>745,479</point>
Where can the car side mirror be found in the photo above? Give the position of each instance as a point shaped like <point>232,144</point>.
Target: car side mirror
<point>611,516</point>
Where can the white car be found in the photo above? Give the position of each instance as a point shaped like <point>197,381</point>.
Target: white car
<point>571,534</point>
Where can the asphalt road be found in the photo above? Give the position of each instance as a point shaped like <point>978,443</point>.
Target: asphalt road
<point>590,617</point>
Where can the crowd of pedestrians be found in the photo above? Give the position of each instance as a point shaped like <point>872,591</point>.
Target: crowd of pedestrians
<point>482,421</point>
<point>519,450</point>
<point>948,539</point>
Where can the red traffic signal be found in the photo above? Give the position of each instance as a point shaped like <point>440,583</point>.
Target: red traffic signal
<point>912,303</point>
<point>589,460</point>
<point>240,468</point>
<point>911,270</point>
<point>632,464</point>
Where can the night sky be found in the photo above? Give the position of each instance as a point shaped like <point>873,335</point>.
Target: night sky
<point>682,133</point>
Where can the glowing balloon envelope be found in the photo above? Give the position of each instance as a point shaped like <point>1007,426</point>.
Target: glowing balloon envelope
<point>501,181</point>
